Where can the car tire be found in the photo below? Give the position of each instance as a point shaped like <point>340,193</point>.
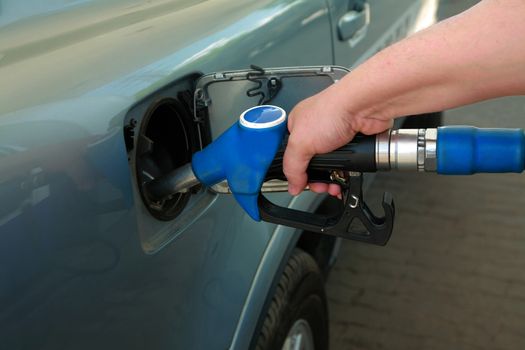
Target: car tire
<point>298,311</point>
<point>423,121</point>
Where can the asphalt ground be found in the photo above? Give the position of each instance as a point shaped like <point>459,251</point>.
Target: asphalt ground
<point>453,273</point>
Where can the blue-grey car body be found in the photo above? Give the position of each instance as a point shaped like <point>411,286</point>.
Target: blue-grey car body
<point>82,263</point>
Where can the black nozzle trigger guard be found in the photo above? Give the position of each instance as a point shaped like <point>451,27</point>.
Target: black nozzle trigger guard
<point>378,229</point>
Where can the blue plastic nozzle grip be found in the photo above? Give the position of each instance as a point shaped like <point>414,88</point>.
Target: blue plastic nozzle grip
<point>465,150</point>
<point>243,154</point>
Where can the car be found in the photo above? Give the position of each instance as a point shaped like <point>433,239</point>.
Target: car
<point>98,97</point>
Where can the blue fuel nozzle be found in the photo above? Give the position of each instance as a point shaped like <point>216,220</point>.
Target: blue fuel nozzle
<point>243,154</point>
<point>252,149</point>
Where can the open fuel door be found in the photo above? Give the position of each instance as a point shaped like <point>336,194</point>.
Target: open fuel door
<point>221,97</point>
<point>164,131</point>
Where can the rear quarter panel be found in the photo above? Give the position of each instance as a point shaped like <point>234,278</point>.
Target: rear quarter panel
<point>73,273</point>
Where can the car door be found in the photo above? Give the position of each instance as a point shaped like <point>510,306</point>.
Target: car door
<point>361,28</point>
<point>83,262</point>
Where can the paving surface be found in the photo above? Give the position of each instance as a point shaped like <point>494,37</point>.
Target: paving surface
<point>453,274</point>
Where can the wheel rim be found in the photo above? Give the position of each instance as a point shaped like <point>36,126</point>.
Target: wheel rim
<point>299,337</point>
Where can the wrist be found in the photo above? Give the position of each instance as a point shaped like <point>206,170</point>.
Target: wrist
<point>366,109</point>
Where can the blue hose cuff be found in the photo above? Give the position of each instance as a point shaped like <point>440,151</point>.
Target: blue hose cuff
<point>465,150</point>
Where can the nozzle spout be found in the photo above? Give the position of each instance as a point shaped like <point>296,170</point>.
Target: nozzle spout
<point>176,181</point>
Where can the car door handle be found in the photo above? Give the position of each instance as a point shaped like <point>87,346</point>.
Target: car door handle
<point>352,25</point>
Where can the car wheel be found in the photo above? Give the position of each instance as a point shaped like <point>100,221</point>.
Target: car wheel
<point>297,317</point>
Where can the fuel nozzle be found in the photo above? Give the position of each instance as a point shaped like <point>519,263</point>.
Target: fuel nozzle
<point>251,152</point>
<point>241,155</point>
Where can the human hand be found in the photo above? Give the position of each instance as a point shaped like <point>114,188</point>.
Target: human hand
<point>321,124</point>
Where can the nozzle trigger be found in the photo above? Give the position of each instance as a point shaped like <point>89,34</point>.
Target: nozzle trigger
<point>378,229</point>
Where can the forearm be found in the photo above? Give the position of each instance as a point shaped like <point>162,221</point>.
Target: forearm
<point>476,55</point>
